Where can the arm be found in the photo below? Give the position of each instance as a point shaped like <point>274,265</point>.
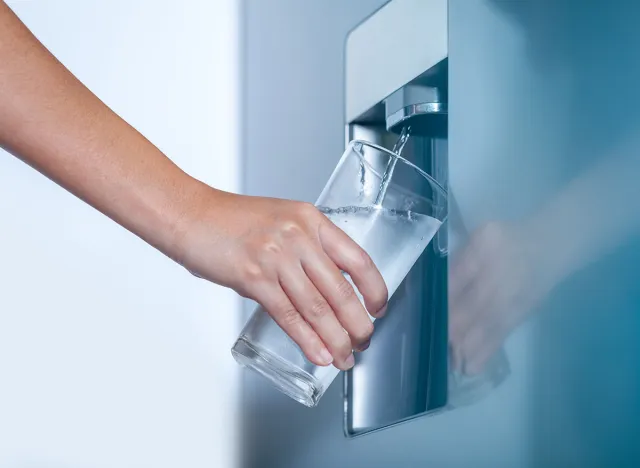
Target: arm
<point>285,255</point>
<point>55,124</point>
<point>507,269</point>
<point>597,212</point>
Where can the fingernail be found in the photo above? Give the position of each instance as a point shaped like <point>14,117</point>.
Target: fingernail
<point>381,312</point>
<point>364,346</point>
<point>325,356</point>
<point>350,361</point>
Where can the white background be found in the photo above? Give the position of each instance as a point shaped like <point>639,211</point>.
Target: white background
<point>111,355</point>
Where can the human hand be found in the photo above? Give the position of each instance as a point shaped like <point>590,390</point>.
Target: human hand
<point>288,257</point>
<point>495,281</point>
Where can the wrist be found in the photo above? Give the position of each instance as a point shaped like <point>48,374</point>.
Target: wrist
<point>547,250</point>
<point>193,199</point>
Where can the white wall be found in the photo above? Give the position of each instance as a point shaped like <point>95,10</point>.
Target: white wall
<point>110,355</point>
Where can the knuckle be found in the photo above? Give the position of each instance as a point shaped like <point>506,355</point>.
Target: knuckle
<point>271,248</point>
<point>343,345</point>
<point>345,291</point>
<point>251,272</point>
<point>369,329</point>
<point>289,316</point>
<point>363,261</point>
<point>307,210</point>
<point>291,229</point>
<point>263,252</point>
<point>319,308</point>
<point>364,332</point>
<point>381,296</point>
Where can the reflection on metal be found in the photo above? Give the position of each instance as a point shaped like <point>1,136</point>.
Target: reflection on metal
<point>424,107</point>
<point>403,374</point>
<point>397,75</point>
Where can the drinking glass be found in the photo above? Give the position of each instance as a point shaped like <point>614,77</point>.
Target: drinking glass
<point>388,206</point>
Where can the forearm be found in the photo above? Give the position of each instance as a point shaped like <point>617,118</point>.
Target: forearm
<point>54,123</point>
<point>595,213</point>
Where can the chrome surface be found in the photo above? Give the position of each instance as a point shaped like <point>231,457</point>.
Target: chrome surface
<point>403,374</point>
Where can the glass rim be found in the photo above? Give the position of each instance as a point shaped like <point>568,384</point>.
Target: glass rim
<point>391,154</point>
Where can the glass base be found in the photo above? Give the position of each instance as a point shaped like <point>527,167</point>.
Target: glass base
<point>293,382</point>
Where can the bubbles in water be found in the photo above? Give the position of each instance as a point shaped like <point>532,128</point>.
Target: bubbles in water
<point>393,238</point>
<point>389,214</point>
<point>358,149</point>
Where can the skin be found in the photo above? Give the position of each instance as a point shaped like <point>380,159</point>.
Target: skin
<point>283,254</point>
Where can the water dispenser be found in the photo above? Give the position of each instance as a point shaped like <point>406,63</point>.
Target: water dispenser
<point>397,81</point>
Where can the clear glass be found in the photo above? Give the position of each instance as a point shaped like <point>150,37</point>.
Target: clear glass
<point>392,221</point>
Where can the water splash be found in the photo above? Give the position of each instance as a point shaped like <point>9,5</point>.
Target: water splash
<point>363,170</point>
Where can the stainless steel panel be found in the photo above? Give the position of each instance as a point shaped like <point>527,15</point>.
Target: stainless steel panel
<point>403,374</point>
<point>382,53</point>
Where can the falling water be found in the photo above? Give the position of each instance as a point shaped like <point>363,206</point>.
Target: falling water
<point>391,164</point>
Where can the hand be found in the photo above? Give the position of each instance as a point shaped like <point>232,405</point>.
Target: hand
<point>288,257</point>
<point>496,281</point>
<point>285,255</point>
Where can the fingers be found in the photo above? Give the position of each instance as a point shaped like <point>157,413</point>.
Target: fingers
<point>340,296</point>
<point>353,260</point>
<point>280,308</point>
<point>470,294</point>
<point>469,308</point>
<point>469,311</point>
<point>465,268</point>
<point>479,324</point>
<point>317,312</point>
<point>489,294</point>
<point>479,347</point>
